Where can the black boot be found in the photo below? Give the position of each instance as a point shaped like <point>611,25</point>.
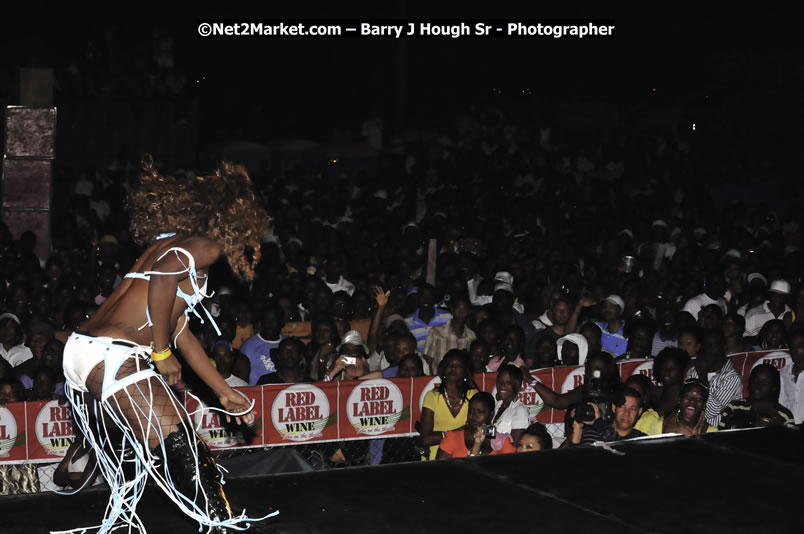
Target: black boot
<point>182,464</point>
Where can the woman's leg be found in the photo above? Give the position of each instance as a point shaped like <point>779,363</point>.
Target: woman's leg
<point>173,454</point>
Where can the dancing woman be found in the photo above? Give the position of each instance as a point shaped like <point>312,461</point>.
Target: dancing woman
<point>120,364</point>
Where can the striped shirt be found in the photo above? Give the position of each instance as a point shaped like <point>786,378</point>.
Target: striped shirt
<point>792,394</point>
<point>420,329</point>
<point>660,343</point>
<point>738,414</point>
<point>725,386</point>
<point>441,339</point>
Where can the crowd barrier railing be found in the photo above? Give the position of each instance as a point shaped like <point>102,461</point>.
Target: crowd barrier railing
<point>294,414</point>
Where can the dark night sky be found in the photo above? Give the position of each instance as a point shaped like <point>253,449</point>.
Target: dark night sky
<point>327,81</point>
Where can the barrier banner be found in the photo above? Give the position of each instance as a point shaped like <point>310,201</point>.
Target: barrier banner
<point>290,414</point>
<point>12,432</point>
<point>533,401</point>
<point>216,432</point>
<point>299,413</point>
<point>375,407</point>
<point>49,429</point>
<point>642,367</point>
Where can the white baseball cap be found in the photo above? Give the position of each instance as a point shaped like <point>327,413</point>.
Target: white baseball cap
<point>757,276</point>
<point>780,286</point>
<point>616,299</point>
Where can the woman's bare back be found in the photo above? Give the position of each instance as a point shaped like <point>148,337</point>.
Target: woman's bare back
<point>123,314</point>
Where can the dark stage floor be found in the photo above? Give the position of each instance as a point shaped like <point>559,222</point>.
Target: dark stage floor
<point>744,481</point>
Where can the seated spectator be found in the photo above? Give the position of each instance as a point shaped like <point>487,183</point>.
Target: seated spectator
<point>38,335</point>
<point>716,372</point>
<point>320,352</point>
<point>410,366</point>
<point>11,346</point>
<point>792,381</point>
<point>669,368</point>
<point>511,349</point>
<point>710,317</point>
<point>381,343</point>
<point>559,315</point>
<point>224,357</point>
<point>11,390</point>
<point>593,335</point>
<point>406,344</point>
<point>489,331</point>
<point>44,385</point>
<point>426,316</point>
<point>404,449</point>
<point>445,408</point>
<point>258,347</point>
<point>602,383</point>
<point>343,369</point>
<point>690,416</point>
<point>472,439</point>
<point>714,289</point>
<point>75,313</point>
<point>289,363</point>
<point>333,277</point>
<point>640,340</point>
<point>546,354</point>
<point>627,408</point>
<point>51,358</point>
<point>535,438</point>
<point>733,330</point>
<point>480,354</point>
<point>754,295</point>
<point>572,349</point>
<point>78,467</point>
<point>244,327</point>
<point>644,386</point>
<point>689,340</point>
<point>510,415</point>
<point>505,308</point>
<point>762,407</point>
<point>289,310</point>
<point>340,306</point>
<point>387,355</point>
<point>772,336</point>
<point>667,333</point>
<point>774,308</point>
<point>106,283</point>
<point>454,334</point>
<point>612,327</point>
<point>361,306</point>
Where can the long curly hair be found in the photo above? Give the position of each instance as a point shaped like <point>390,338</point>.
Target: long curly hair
<point>221,207</point>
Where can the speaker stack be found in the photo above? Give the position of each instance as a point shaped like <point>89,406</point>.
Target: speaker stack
<point>30,148</point>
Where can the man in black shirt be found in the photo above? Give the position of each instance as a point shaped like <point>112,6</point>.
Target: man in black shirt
<point>627,409</point>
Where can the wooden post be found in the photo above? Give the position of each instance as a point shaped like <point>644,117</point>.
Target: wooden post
<point>432,255</point>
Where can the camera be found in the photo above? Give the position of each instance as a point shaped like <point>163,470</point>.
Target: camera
<point>350,360</point>
<point>585,413</point>
<point>596,393</point>
<point>489,430</point>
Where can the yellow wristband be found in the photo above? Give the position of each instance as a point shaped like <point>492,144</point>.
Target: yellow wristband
<point>161,355</point>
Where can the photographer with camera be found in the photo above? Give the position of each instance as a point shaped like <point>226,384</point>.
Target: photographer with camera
<point>477,437</point>
<point>601,382</point>
<point>588,426</point>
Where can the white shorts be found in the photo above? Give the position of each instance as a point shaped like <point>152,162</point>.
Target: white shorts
<point>82,353</point>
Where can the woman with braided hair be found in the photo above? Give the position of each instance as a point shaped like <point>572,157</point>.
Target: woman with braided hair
<point>119,365</point>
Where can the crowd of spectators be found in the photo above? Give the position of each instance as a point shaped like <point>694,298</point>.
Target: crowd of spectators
<point>547,252</point>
